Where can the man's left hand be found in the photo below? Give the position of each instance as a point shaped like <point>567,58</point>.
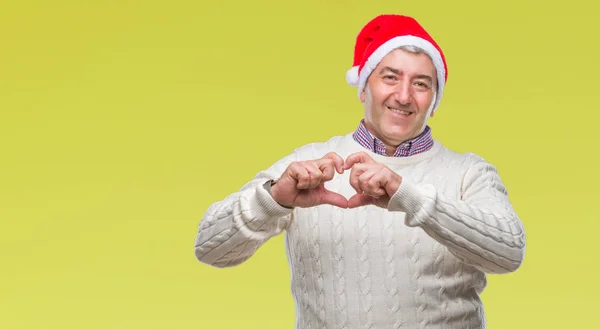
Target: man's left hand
<point>373,182</point>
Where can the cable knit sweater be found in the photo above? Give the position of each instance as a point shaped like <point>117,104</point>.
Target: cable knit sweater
<point>421,263</point>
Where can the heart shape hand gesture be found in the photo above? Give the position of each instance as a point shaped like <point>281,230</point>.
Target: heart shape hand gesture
<point>302,184</point>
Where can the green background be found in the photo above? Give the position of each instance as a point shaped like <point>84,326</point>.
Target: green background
<point>121,121</point>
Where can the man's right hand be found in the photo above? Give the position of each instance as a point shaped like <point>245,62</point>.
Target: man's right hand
<point>302,184</point>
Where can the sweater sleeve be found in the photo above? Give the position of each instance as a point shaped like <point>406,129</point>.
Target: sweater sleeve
<point>481,229</point>
<point>231,230</point>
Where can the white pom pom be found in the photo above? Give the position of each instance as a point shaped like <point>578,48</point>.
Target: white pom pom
<point>352,76</point>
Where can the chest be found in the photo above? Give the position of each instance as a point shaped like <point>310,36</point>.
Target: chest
<point>370,232</point>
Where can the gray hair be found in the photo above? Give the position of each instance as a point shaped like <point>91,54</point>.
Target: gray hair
<point>417,50</point>
<point>413,49</point>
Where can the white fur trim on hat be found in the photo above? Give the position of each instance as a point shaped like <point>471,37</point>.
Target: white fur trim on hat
<point>352,76</point>
<point>395,43</point>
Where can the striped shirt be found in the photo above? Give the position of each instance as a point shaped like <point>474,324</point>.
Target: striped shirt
<point>419,144</point>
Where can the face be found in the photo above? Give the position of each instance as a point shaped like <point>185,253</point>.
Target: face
<point>398,96</point>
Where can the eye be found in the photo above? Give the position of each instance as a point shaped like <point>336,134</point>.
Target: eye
<point>390,77</point>
<point>421,85</point>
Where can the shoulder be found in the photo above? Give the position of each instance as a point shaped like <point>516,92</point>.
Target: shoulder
<point>318,149</point>
<point>464,160</point>
<point>473,170</point>
<point>310,151</point>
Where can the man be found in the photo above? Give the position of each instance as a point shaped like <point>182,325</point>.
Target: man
<point>384,227</point>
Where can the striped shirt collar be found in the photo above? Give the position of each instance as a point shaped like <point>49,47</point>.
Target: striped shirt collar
<point>417,145</point>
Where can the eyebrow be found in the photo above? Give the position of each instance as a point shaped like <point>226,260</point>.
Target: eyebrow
<point>396,71</point>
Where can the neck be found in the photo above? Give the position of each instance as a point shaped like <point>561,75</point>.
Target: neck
<point>405,148</point>
<point>391,146</point>
<point>394,160</point>
<point>390,150</point>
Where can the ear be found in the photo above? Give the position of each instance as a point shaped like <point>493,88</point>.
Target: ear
<point>362,96</point>
<point>432,113</point>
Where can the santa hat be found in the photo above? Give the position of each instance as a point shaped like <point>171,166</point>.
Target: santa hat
<point>385,33</point>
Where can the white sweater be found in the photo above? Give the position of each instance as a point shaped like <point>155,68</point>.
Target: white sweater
<point>421,263</point>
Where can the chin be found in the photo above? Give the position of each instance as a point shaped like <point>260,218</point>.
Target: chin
<point>398,138</point>
<point>397,132</point>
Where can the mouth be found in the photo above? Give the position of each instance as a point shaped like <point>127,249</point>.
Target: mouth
<point>399,111</point>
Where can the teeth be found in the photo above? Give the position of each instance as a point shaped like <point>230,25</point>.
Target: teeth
<point>399,111</point>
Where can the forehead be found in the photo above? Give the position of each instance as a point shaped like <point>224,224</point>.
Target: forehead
<point>409,62</point>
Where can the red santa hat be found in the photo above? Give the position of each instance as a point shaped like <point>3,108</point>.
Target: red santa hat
<point>385,33</point>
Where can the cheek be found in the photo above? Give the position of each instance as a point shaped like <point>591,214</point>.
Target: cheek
<point>424,101</point>
<point>368,115</point>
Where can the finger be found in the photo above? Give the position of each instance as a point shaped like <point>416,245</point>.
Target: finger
<point>357,170</point>
<point>381,179</point>
<point>334,199</point>
<point>332,160</point>
<point>316,175</point>
<point>338,162</point>
<point>363,179</point>
<point>359,200</point>
<point>369,182</point>
<point>300,174</point>
<point>359,157</point>
<point>326,167</point>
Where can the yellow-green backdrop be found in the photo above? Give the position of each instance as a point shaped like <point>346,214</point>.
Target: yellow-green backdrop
<point>121,121</point>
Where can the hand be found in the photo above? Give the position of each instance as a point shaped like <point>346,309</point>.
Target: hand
<point>302,184</point>
<point>373,182</point>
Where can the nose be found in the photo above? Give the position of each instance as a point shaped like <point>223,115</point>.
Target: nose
<point>403,93</point>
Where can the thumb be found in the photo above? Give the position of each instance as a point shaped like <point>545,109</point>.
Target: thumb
<point>359,200</point>
<point>334,199</point>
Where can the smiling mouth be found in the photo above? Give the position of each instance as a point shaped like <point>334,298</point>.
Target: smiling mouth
<point>398,111</point>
